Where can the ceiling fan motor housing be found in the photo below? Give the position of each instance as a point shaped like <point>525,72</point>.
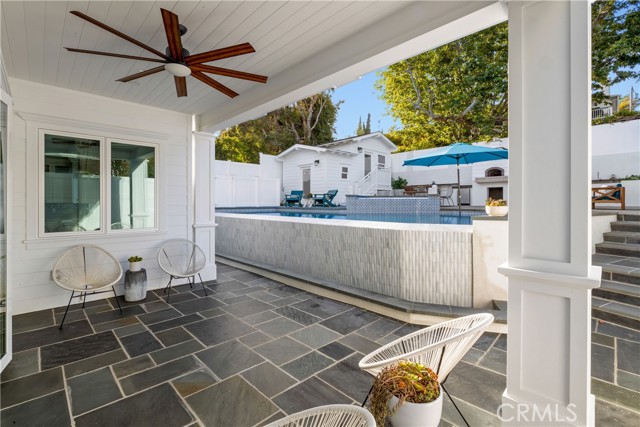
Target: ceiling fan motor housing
<point>185,52</point>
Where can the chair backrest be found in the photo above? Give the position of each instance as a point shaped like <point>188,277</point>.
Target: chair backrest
<point>328,416</point>
<point>297,193</point>
<point>181,258</point>
<point>446,191</point>
<point>331,194</point>
<point>439,347</point>
<point>86,267</point>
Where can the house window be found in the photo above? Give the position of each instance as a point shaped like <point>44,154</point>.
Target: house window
<point>132,186</point>
<point>71,184</point>
<point>494,172</point>
<point>345,172</point>
<point>381,161</point>
<point>78,199</point>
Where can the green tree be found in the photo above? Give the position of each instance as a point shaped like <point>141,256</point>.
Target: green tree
<point>615,52</point>
<point>309,121</point>
<point>457,92</point>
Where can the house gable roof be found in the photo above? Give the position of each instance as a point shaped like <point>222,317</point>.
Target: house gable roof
<point>360,138</point>
<point>315,148</point>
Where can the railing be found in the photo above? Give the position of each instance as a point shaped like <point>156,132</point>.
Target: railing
<point>599,112</point>
<point>377,179</point>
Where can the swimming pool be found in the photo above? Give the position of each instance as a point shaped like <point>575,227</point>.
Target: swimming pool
<point>442,218</point>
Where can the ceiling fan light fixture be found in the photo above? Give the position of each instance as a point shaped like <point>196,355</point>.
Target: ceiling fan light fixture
<point>178,70</point>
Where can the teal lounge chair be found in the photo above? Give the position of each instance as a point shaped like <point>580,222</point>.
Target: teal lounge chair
<point>294,199</point>
<point>325,199</point>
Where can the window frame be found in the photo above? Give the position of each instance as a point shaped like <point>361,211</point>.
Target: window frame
<point>105,185</point>
<point>344,174</point>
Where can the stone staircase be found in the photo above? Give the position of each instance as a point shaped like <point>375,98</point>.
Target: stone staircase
<point>617,301</point>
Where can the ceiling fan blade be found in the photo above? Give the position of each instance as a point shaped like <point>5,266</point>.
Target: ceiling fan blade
<point>214,84</point>
<point>115,55</point>
<point>229,73</point>
<point>181,86</point>
<point>141,74</point>
<point>225,52</point>
<point>172,29</point>
<point>119,34</point>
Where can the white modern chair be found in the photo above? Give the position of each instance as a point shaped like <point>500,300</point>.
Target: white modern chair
<point>445,194</point>
<point>439,347</point>
<point>328,416</point>
<point>87,269</point>
<point>181,259</point>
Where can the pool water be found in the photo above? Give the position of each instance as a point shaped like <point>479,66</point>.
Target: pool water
<point>464,218</point>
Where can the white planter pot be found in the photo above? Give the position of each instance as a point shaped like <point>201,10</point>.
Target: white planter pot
<point>416,414</point>
<point>496,210</point>
<point>135,266</point>
<point>398,192</point>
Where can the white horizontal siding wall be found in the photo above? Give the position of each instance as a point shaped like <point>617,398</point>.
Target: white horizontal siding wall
<point>64,110</point>
<point>292,166</point>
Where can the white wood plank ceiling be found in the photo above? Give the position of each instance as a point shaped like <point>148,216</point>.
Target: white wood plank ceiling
<point>283,33</point>
<point>302,46</point>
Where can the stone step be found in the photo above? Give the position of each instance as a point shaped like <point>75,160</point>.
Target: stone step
<point>626,226</point>
<point>619,292</point>
<point>622,249</point>
<point>500,305</point>
<point>629,216</point>
<point>615,312</point>
<point>614,274</point>
<point>622,237</point>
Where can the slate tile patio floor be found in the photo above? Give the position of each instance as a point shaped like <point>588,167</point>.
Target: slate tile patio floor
<point>247,354</point>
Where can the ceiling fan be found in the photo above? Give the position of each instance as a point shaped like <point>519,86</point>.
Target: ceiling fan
<point>178,61</point>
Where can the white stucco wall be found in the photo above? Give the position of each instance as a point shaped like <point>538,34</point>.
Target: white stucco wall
<point>490,249</point>
<point>615,150</point>
<point>39,106</point>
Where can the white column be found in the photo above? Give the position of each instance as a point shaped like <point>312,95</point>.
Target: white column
<point>549,268</point>
<point>203,196</point>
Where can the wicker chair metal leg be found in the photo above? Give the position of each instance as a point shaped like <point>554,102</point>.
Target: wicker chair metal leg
<point>65,312</point>
<point>454,405</point>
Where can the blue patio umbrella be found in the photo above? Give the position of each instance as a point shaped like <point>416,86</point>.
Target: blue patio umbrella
<point>459,153</point>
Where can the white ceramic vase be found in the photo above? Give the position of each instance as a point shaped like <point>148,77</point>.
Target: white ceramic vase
<point>496,210</point>
<point>416,414</point>
<point>135,266</point>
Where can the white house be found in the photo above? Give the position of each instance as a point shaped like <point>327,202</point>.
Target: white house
<point>357,165</point>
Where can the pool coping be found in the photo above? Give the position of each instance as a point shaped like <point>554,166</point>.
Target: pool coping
<point>417,313</point>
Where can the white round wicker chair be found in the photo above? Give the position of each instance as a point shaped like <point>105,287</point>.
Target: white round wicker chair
<point>181,259</point>
<point>328,416</point>
<point>87,269</point>
<point>439,347</point>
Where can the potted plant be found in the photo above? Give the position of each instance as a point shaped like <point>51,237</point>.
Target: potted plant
<point>408,393</point>
<point>398,185</point>
<point>135,263</point>
<point>496,207</point>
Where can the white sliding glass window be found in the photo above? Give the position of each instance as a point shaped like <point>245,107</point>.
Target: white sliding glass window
<point>71,184</point>
<point>75,197</point>
<point>133,186</point>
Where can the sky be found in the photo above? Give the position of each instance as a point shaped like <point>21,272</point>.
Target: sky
<point>360,97</point>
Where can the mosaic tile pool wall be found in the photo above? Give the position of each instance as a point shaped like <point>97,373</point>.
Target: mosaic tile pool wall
<point>428,204</point>
<point>417,262</point>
